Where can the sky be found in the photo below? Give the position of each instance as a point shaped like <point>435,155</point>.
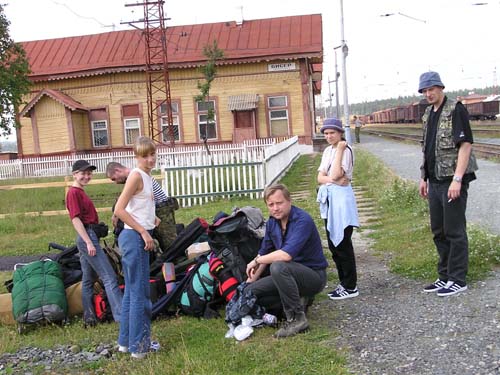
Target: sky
<point>386,54</point>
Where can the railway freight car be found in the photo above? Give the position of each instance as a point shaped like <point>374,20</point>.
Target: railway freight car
<point>415,111</point>
<point>400,113</point>
<point>483,110</point>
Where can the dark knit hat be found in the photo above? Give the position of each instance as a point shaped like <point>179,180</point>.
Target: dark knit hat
<point>332,123</point>
<point>429,79</point>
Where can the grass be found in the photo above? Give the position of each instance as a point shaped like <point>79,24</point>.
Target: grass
<point>403,230</point>
<point>193,346</point>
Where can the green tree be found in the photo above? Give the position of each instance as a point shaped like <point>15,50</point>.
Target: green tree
<point>14,82</point>
<point>209,71</point>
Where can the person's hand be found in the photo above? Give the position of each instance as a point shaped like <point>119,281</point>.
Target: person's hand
<point>251,268</point>
<point>454,190</point>
<point>91,249</point>
<point>423,188</point>
<point>157,221</point>
<point>341,146</point>
<point>342,181</point>
<point>148,241</point>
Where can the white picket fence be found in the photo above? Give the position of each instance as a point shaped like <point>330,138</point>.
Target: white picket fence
<point>179,156</point>
<point>204,179</point>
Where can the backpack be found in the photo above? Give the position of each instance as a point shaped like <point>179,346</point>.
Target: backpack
<point>236,239</point>
<point>38,293</point>
<point>115,259</point>
<point>198,293</point>
<point>176,252</point>
<point>102,308</point>
<point>227,283</point>
<point>69,260</point>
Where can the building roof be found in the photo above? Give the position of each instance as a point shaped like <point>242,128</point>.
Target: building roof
<point>118,51</point>
<point>66,100</point>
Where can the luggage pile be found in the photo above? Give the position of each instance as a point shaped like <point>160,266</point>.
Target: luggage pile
<point>198,273</point>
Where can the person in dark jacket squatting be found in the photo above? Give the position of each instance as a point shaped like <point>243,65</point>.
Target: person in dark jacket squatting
<point>292,251</point>
<point>447,169</point>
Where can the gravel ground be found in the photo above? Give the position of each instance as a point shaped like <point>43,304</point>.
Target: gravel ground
<point>393,327</point>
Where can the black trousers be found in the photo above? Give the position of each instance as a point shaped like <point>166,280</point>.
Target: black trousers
<point>343,256</point>
<point>286,284</point>
<point>448,225</point>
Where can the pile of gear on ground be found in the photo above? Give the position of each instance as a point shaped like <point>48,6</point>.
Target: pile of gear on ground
<point>203,269</point>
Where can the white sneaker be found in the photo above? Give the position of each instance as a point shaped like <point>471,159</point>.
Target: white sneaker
<point>122,349</point>
<point>138,355</point>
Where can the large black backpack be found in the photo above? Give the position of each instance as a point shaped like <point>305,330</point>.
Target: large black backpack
<point>236,239</point>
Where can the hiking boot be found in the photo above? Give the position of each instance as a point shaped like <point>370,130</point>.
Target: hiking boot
<point>451,288</point>
<point>435,286</point>
<point>291,327</point>
<point>343,293</point>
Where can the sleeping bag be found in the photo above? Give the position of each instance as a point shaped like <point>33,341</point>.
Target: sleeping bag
<point>38,293</point>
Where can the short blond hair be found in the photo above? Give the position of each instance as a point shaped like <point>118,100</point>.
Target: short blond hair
<point>270,190</point>
<point>143,146</point>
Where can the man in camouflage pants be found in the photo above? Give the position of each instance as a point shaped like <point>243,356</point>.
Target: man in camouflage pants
<point>165,232</point>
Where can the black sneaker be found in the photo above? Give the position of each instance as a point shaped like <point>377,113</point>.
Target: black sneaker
<point>343,293</point>
<point>451,288</point>
<point>435,286</point>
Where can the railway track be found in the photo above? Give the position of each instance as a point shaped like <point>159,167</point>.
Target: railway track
<point>481,149</point>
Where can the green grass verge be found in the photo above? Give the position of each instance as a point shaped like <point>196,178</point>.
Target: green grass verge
<point>403,229</point>
<point>192,346</point>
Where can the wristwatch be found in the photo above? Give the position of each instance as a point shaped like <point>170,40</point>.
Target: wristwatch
<point>457,179</point>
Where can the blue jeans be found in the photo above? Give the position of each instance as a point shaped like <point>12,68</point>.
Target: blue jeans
<point>135,325</point>
<point>95,267</point>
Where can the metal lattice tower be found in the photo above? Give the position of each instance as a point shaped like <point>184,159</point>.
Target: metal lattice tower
<point>157,76</point>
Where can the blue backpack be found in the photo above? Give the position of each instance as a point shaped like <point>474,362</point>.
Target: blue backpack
<point>198,293</point>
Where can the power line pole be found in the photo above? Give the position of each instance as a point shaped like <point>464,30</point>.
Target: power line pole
<point>157,80</point>
<point>345,52</point>
<point>329,100</point>
<point>337,75</point>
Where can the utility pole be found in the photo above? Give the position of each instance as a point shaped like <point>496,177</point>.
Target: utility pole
<point>157,75</point>
<point>337,75</point>
<point>330,110</point>
<point>345,51</point>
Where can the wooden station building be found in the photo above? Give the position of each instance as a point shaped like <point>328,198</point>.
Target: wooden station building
<point>89,92</point>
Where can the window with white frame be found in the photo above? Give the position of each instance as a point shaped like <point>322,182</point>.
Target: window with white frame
<point>132,130</point>
<point>206,129</point>
<point>278,115</point>
<point>100,133</point>
<point>175,121</point>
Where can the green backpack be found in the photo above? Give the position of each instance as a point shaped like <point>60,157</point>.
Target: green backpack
<point>38,293</point>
